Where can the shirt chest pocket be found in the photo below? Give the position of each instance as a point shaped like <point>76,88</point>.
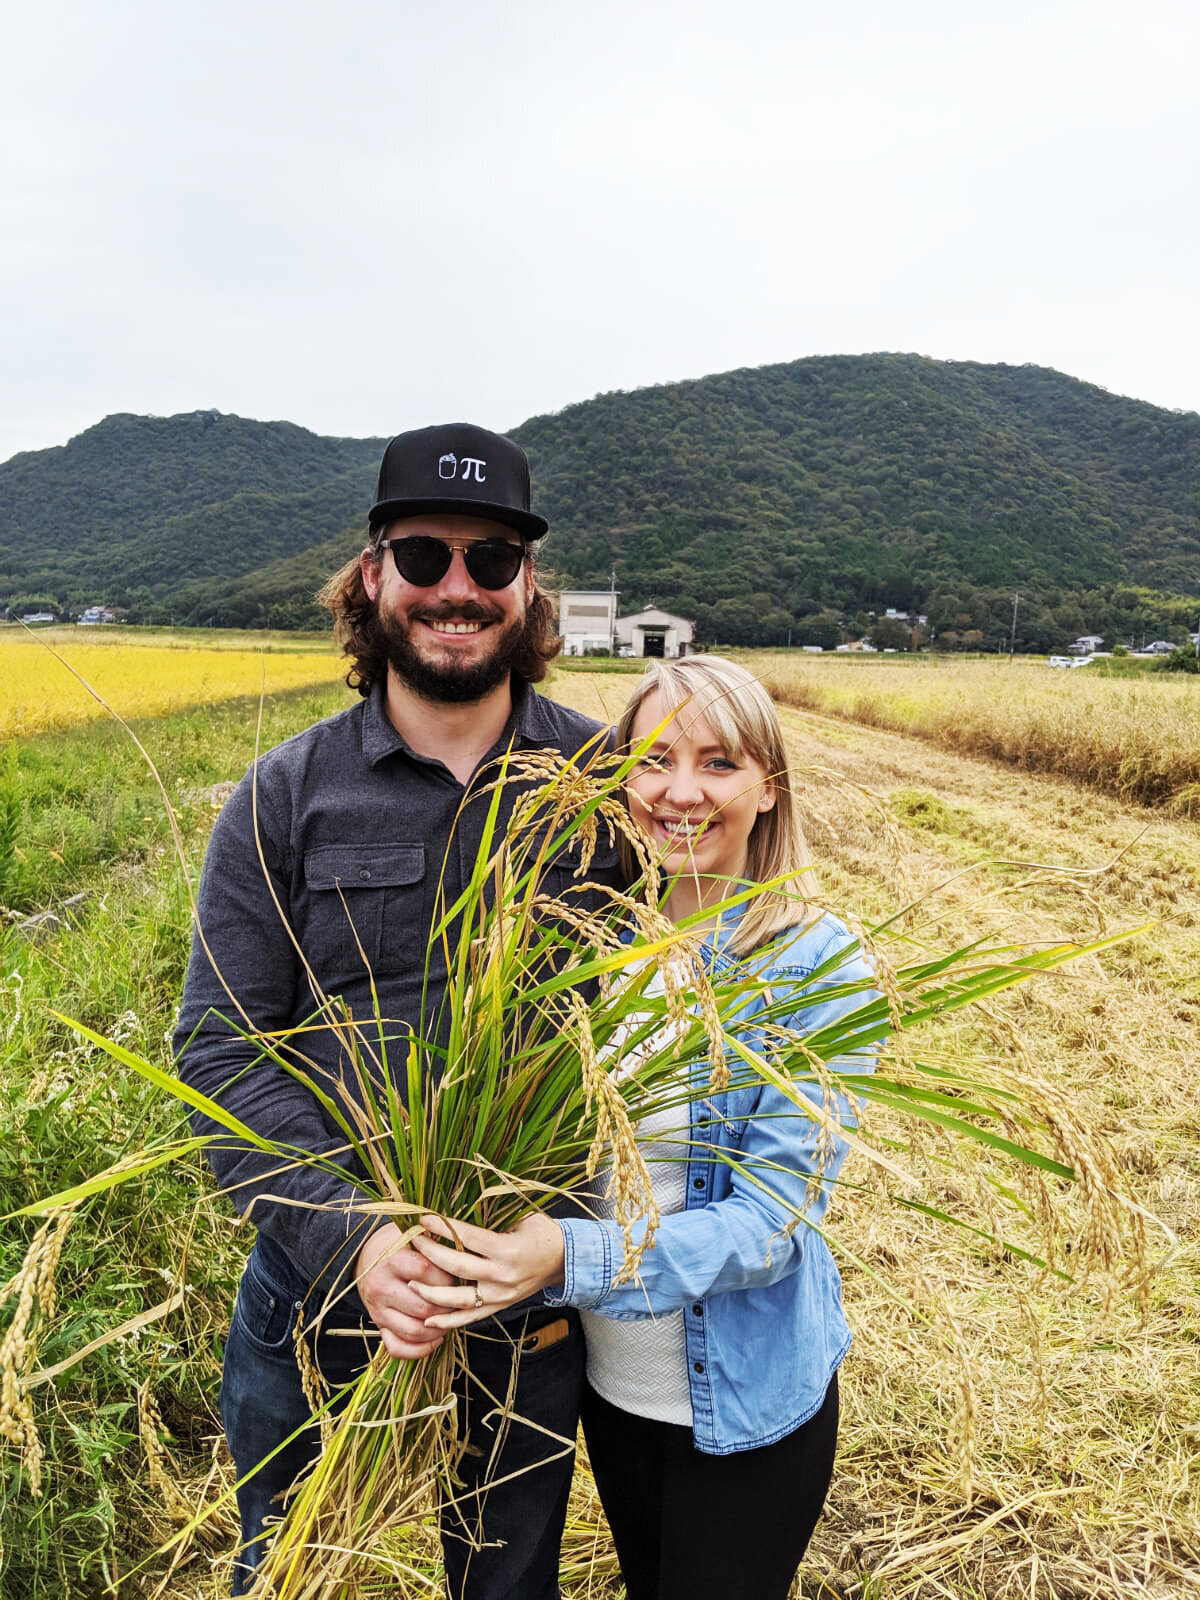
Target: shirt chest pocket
<point>366,909</point>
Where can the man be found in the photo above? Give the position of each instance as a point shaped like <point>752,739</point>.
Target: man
<point>322,879</point>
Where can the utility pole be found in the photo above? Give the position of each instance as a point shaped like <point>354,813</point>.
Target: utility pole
<point>1012,637</point>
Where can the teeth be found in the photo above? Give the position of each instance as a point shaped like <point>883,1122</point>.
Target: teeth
<point>456,627</point>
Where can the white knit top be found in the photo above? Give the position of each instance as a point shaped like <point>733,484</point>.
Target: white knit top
<point>641,1366</point>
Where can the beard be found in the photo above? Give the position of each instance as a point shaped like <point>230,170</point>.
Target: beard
<point>448,682</point>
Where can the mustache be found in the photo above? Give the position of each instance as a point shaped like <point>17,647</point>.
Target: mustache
<point>468,611</point>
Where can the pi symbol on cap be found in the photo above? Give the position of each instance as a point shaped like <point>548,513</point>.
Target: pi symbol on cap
<point>447,465</point>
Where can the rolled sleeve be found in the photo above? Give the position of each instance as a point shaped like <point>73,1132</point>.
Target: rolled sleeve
<point>588,1263</point>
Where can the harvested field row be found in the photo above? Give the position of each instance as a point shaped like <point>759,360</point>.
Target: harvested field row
<point>1137,738</point>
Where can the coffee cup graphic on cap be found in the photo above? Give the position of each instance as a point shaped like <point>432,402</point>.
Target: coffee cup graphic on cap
<point>447,465</point>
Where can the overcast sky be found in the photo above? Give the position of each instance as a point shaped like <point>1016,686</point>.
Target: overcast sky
<point>368,216</point>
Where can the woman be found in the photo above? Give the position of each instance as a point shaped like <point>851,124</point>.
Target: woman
<point>711,1406</point>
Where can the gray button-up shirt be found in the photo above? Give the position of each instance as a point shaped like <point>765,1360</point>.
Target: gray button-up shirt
<point>323,875</point>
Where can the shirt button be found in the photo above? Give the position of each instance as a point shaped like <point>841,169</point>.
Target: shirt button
<point>697,1309</point>
<point>697,1183</point>
<point>364,872</point>
<point>698,1365</point>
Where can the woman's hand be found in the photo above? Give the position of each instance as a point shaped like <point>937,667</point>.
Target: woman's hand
<point>497,1269</point>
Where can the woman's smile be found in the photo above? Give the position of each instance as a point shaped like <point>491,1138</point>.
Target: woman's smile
<point>682,825</point>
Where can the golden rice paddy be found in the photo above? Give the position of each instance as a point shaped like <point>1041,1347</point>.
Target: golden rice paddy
<point>45,683</point>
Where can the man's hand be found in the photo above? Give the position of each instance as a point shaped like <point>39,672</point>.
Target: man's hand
<point>497,1269</point>
<point>385,1269</point>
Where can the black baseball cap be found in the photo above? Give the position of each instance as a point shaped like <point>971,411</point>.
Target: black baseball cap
<point>457,469</point>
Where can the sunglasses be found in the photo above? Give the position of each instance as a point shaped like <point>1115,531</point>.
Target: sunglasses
<point>422,561</point>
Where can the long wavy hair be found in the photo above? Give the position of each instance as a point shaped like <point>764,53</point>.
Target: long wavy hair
<point>357,630</point>
<point>742,715</point>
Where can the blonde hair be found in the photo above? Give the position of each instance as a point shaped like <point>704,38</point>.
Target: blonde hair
<point>742,715</point>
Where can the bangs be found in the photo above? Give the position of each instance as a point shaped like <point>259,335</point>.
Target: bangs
<point>733,703</point>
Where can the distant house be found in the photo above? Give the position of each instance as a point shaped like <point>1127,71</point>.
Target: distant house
<point>587,620</point>
<point>96,615</point>
<point>654,632</point>
<point>915,619</point>
<point>39,616</point>
<point>1087,645</point>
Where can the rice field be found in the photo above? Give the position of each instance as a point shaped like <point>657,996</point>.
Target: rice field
<point>1137,738</point>
<point>1081,1418</point>
<point>44,691</point>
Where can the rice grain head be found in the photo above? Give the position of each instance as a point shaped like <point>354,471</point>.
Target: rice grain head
<point>33,1286</point>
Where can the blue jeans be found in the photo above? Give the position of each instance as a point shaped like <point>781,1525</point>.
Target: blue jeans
<point>500,1539</point>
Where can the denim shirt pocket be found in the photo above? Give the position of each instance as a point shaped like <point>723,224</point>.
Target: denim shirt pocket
<point>366,907</point>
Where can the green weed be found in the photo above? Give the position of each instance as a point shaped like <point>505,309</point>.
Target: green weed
<point>63,1115</point>
<point>85,808</point>
<point>10,812</point>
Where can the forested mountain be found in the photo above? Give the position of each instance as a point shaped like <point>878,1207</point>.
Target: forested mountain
<point>778,496</point>
<point>790,497</point>
<point>159,514</point>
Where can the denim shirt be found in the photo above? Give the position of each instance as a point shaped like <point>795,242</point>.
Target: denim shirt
<point>763,1306</point>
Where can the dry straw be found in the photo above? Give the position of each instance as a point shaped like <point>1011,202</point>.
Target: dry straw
<point>1137,738</point>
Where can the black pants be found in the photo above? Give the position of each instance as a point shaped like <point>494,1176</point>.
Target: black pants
<point>689,1526</point>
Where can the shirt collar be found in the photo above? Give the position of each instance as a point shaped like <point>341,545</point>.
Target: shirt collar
<point>528,724</point>
<point>720,937</point>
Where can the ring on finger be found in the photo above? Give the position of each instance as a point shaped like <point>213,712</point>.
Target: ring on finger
<point>478,1298</point>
